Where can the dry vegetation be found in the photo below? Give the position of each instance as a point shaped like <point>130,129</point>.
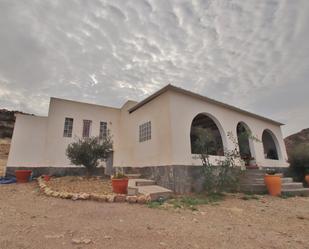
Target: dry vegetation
<point>4,153</point>
<point>73,184</point>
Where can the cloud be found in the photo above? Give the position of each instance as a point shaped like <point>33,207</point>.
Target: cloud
<point>251,54</point>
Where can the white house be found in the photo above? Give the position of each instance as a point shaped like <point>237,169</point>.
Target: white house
<point>155,136</point>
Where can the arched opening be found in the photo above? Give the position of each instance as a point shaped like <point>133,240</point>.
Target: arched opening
<point>243,137</point>
<point>205,136</point>
<point>269,145</point>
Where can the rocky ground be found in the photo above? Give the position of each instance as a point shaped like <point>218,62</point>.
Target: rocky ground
<point>29,219</point>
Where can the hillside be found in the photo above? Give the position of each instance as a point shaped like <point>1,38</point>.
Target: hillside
<point>301,137</point>
<point>7,121</point>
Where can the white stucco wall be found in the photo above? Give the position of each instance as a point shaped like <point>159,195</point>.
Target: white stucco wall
<point>183,110</point>
<point>153,152</point>
<point>59,109</point>
<point>28,142</point>
<point>39,141</point>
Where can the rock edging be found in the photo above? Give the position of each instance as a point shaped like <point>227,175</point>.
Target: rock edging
<point>141,199</point>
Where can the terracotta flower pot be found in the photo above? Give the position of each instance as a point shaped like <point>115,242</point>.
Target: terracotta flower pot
<point>307,179</point>
<point>46,178</point>
<point>22,176</point>
<point>120,186</point>
<point>273,184</point>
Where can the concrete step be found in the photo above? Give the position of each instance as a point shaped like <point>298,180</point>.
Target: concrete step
<point>155,192</point>
<point>254,180</point>
<point>253,174</point>
<point>299,192</point>
<point>133,176</point>
<point>134,182</point>
<point>254,188</point>
<point>292,185</point>
<point>286,179</point>
<point>141,182</point>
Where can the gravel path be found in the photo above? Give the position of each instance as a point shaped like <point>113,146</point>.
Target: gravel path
<point>30,220</point>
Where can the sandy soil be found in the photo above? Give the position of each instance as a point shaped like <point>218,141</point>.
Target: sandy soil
<point>29,219</point>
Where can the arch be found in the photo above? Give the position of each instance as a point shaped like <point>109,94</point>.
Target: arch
<point>245,144</point>
<point>270,145</point>
<point>205,125</point>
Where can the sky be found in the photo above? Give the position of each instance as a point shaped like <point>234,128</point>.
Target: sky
<point>251,54</point>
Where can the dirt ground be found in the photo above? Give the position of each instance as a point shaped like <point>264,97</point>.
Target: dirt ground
<point>29,219</point>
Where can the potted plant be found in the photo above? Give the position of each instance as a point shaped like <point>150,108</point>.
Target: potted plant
<point>273,182</point>
<point>120,183</point>
<point>22,176</point>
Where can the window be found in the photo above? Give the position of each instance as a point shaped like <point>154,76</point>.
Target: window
<point>145,132</point>
<point>86,128</point>
<point>68,127</point>
<point>103,130</point>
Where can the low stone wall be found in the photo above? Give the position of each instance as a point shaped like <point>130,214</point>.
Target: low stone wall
<point>181,179</point>
<point>54,171</point>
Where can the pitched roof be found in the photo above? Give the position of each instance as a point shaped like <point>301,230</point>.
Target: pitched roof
<point>170,87</point>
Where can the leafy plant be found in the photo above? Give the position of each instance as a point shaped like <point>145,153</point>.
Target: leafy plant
<point>270,171</point>
<point>89,152</point>
<point>188,202</point>
<point>223,174</point>
<point>299,160</point>
<point>119,175</point>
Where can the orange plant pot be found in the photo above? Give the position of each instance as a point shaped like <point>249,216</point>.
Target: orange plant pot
<point>22,176</point>
<point>120,186</point>
<point>46,178</point>
<point>307,179</point>
<point>273,184</point>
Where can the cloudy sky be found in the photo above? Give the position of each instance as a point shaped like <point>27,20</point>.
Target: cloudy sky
<point>252,54</point>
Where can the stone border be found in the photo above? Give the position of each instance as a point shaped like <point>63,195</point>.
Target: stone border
<point>141,199</point>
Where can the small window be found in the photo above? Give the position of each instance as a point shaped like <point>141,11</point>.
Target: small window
<point>86,128</point>
<point>145,132</point>
<point>103,130</point>
<point>68,127</point>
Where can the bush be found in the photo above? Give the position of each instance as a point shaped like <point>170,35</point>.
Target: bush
<point>299,160</point>
<point>88,152</point>
<point>225,173</point>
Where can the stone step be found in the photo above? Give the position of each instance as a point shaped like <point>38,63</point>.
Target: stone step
<point>155,192</point>
<point>292,185</point>
<point>299,192</point>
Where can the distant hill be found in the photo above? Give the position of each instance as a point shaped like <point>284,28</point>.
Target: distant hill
<point>301,137</point>
<point>7,121</point>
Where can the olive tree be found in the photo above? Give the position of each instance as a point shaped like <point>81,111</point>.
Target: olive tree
<point>89,152</point>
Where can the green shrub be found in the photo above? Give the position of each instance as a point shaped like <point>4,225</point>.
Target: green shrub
<point>299,160</point>
<point>88,152</point>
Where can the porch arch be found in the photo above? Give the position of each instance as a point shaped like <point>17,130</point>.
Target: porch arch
<point>270,145</point>
<point>216,141</point>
